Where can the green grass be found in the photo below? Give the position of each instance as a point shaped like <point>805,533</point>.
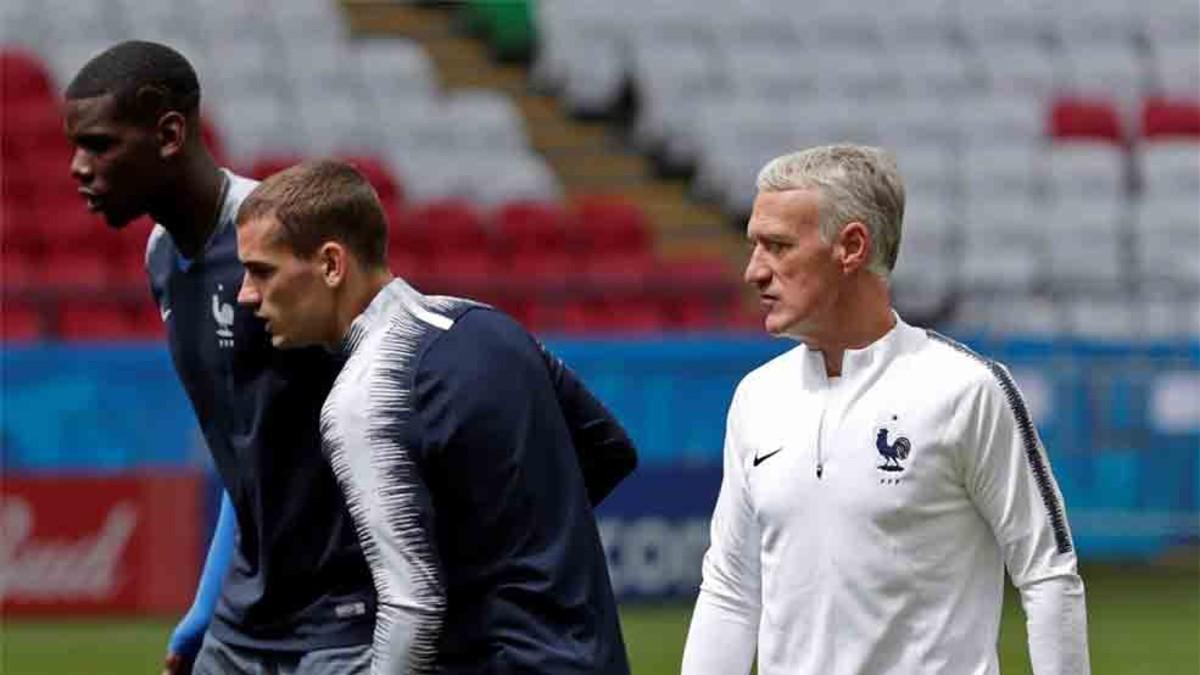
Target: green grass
<point>1141,620</point>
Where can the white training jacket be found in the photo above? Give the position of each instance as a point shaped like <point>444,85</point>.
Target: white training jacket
<point>863,521</point>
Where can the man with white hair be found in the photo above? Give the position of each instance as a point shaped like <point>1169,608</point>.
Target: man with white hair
<point>878,478</point>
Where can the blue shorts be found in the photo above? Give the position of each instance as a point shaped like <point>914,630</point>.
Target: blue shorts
<point>218,658</point>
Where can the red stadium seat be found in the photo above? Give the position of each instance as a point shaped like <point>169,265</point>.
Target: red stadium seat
<point>612,235</point>
<point>19,269</point>
<point>408,246</point>
<point>584,315</point>
<point>68,227</point>
<point>77,270</point>
<point>23,76</point>
<point>23,230</point>
<point>463,272</point>
<point>1171,117</point>
<point>528,226</point>
<point>147,324</point>
<point>381,178</point>
<point>95,320</point>
<point>533,241</point>
<point>31,126</point>
<point>263,167</point>
<point>635,313</point>
<point>1085,118</point>
<point>445,216</point>
<point>20,321</point>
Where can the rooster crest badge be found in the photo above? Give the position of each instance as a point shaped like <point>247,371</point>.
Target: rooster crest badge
<point>893,452</point>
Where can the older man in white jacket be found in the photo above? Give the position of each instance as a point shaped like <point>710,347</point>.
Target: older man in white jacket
<point>878,477</point>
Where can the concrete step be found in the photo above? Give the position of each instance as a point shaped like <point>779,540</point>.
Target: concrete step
<point>588,157</point>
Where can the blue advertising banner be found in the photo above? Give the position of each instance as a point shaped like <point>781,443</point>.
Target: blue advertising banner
<point>1121,424</point>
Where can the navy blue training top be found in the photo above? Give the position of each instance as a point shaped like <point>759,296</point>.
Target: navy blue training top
<point>458,442</point>
<point>298,580</point>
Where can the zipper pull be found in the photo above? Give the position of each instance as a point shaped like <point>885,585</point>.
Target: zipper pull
<point>820,469</point>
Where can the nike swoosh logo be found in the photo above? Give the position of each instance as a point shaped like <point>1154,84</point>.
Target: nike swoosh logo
<point>760,459</point>
<point>166,314</point>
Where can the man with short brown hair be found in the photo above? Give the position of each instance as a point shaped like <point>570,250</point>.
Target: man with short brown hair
<point>467,453</point>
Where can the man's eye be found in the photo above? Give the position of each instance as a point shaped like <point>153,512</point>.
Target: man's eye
<point>96,145</point>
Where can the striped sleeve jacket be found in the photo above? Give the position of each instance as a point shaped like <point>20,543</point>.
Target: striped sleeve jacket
<point>470,458</point>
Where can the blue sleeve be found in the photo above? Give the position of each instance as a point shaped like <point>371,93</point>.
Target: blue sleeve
<point>188,635</point>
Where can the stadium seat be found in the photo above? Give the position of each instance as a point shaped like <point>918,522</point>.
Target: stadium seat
<point>1176,71</point>
<point>935,69</point>
<point>395,65</point>
<point>1107,319</point>
<point>408,250</point>
<point>1172,22</point>
<point>264,166</point>
<point>1024,71</point>
<point>146,322</point>
<point>21,322</point>
<point>484,120</point>
<point>1086,169</point>
<point>667,77</point>
<point>1019,314</point>
<point>19,269</point>
<point>533,240</point>
<point>1169,168</point>
<point>1001,232</point>
<point>523,175</point>
<point>95,320</point>
<point>1017,25</point>
<point>609,224</point>
<point>24,76</point>
<point>1085,118</point>
<point>1167,233</point>
<point>1008,170</point>
<point>76,270</point>
<point>1085,244</point>
<point>256,125</point>
<point>1111,70</point>
<point>1163,117</point>
<point>920,122</point>
<point>391,193</point>
<point>995,118</point>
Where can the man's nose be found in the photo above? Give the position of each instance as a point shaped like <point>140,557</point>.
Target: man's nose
<point>756,273</point>
<point>247,294</point>
<point>81,168</point>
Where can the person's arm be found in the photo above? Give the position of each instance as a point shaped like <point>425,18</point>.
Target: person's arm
<point>605,453</point>
<point>185,640</point>
<point>1009,479</point>
<point>380,474</point>
<point>723,635</point>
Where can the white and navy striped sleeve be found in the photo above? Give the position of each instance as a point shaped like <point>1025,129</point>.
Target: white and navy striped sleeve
<point>1008,476</point>
<point>369,435</point>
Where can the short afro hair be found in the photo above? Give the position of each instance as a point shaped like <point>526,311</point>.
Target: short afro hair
<point>146,79</point>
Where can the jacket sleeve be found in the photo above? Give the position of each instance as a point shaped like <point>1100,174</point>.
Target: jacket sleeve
<point>1009,479</point>
<point>723,635</point>
<point>605,452</point>
<point>392,508</point>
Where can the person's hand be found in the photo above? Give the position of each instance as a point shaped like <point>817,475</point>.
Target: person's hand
<point>175,664</point>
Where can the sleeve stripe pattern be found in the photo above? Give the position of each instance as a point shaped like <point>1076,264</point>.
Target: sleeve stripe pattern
<point>1029,439</point>
<point>394,500</point>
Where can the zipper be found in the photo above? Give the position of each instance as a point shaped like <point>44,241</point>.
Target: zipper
<point>821,433</point>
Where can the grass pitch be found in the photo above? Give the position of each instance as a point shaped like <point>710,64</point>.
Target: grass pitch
<point>1141,621</point>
